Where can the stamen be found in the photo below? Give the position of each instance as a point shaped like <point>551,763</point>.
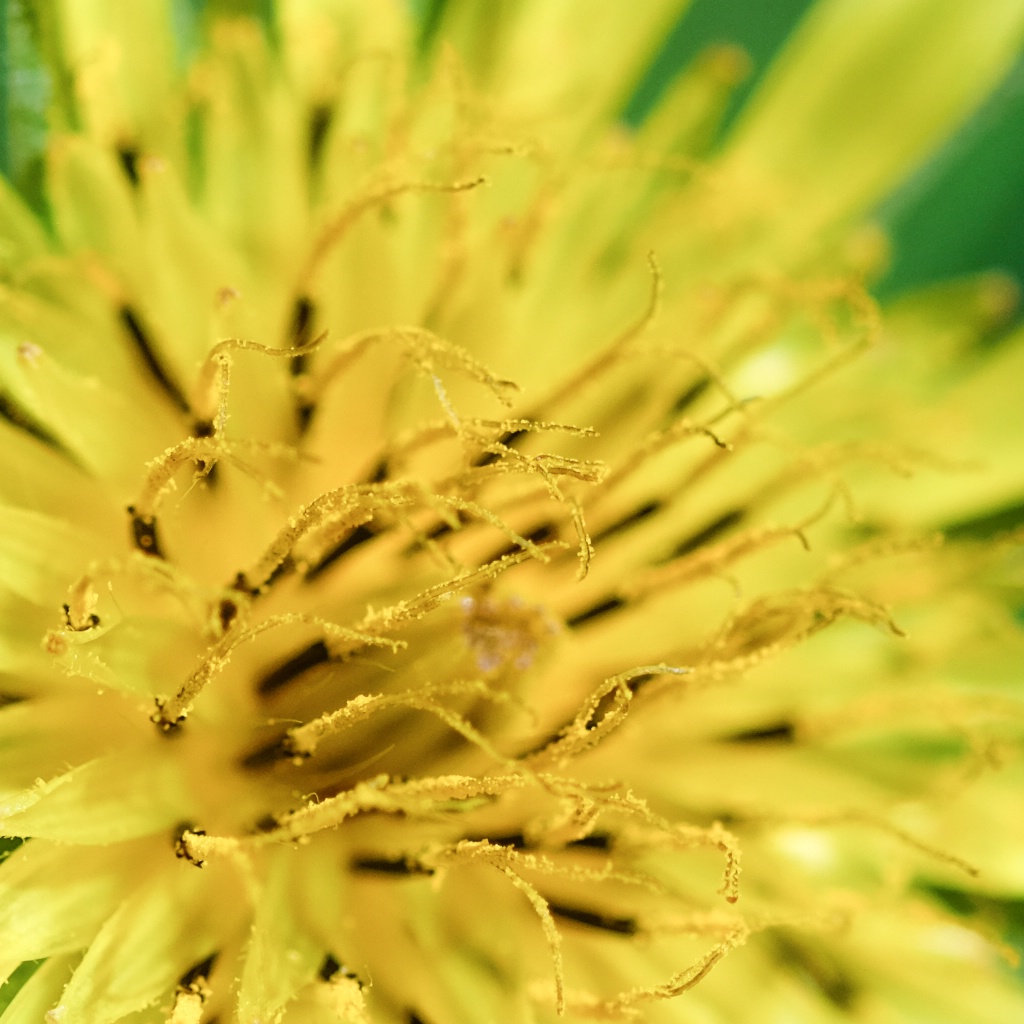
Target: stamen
<point>212,385</point>
<point>907,838</point>
<point>619,346</point>
<point>301,741</point>
<point>507,440</point>
<point>184,847</point>
<point>505,861</point>
<point>171,712</point>
<point>336,229</point>
<point>427,352</point>
<point>598,716</point>
<point>624,1005</point>
<point>80,611</point>
<point>188,1003</point>
<point>329,968</point>
<point>701,559</point>
<point>659,441</point>
<point>419,797</point>
<point>162,470</point>
<point>144,533</point>
<point>538,535</point>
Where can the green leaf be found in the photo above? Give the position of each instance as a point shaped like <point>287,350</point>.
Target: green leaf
<point>189,17</point>
<point>25,96</point>
<point>962,211</point>
<point>14,984</point>
<point>758,28</point>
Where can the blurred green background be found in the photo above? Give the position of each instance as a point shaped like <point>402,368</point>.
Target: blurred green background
<point>960,213</point>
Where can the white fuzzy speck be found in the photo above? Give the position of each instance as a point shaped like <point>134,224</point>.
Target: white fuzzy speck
<point>29,353</point>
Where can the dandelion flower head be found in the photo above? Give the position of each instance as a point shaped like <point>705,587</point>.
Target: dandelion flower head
<point>447,534</point>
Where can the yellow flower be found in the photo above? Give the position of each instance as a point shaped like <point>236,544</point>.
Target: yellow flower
<point>526,519</point>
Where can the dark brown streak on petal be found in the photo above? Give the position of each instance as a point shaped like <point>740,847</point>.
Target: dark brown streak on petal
<point>602,841</point>
<point>690,395</point>
<point>538,535</point>
<point>320,117</point>
<point>242,584</point>
<point>208,469</point>
<point>300,333</point>
<point>128,155</point>
<point>279,572</point>
<point>637,683</point>
<point>986,525</point>
<point>309,657</point>
<point>133,327</point>
<point>514,840</point>
<point>638,515</point>
<point>593,919</point>
<point>227,612</point>
<point>779,732</point>
<point>357,537</point>
<point>380,472</point>
<point>440,529</point>
<point>508,439</point>
<point>11,411</point>
<point>820,969</point>
<point>595,611</point>
<point>401,866</point>
<point>198,972</point>
<point>708,533</point>
<point>360,535</point>
<point>270,754</point>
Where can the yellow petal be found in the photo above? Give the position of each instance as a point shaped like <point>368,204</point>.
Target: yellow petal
<point>106,801</point>
<point>54,899</point>
<point>35,550</point>
<point>281,956</point>
<point>150,941</point>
